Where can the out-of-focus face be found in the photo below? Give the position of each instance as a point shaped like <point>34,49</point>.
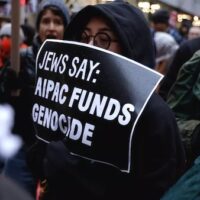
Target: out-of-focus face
<point>51,26</point>
<point>159,26</point>
<point>194,32</point>
<point>98,33</point>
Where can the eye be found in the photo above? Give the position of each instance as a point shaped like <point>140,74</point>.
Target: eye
<point>45,21</point>
<point>102,40</point>
<point>84,37</point>
<point>103,37</point>
<point>58,21</point>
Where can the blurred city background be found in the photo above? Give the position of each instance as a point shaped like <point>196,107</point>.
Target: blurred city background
<point>181,10</point>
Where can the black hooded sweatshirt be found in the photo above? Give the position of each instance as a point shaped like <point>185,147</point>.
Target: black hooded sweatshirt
<point>157,153</point>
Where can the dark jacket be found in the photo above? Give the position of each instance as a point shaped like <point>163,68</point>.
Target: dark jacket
<point>8,82</point>
<point>157,153</point>
<point>23,103</point>
<point>184,100</point>
<point>28,59</point>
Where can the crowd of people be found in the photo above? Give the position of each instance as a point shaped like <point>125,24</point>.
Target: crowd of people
<point>165,141</point>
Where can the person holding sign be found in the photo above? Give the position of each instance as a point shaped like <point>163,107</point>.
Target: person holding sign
<point>157,155</point>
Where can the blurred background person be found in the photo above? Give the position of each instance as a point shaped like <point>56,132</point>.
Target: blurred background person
<point>182,55</point>
<point>5,43</point>
<point>166,47</point>
<point>193,32</point>
<point>8,79</point>
<point>184,27</point>
<point>160,22</point>
<point>184,100</point>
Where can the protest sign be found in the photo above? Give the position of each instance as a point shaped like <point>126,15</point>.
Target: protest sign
<point>92,98</point>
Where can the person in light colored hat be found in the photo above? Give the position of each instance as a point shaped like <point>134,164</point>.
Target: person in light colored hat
<point>8,78</point>
<point>59,4</point>
<point>166,47</point>
<point>5,43</point>
<point>6,30</point>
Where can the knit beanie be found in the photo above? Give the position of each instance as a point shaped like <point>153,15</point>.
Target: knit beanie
<point>59,4</point>
<point>6,30</point>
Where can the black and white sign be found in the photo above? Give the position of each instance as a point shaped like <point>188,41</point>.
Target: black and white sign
<point>91,97</point>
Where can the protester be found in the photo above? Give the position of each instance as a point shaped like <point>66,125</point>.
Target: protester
<point>183,54</point>
<point>8,80</point>
<point>157,152</point>
<point>183,99</point>
<point>184,27</point>
<point>166,47</point>
<point>52,19</point>
<point>160,22</point>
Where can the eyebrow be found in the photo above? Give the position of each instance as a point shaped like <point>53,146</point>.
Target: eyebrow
<point>101,29</point>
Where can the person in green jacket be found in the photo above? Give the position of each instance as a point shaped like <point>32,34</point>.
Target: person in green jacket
<point>184,100</point>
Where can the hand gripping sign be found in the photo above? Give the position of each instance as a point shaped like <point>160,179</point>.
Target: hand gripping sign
<point>92,98</point>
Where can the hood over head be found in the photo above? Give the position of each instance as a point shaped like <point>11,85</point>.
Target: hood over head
<point>127,22</point>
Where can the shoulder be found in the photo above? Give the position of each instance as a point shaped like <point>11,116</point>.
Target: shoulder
<point>26,52</point>
<point>156,108</point>
<point>189,47</point>
<point>157,124</point>
<point>157,120</point>
<point>157,135</point>
<point>192,65</point>
<point>196,55</point>
<point>27,58</point>
<point>181,93</point>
